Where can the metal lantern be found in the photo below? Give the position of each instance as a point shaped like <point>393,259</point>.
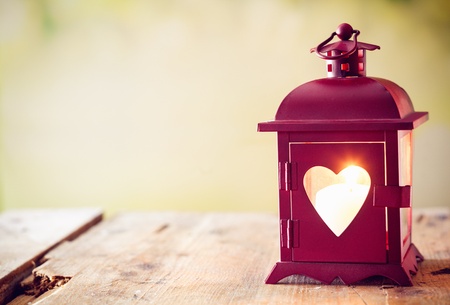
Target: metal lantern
<point>345,172</point>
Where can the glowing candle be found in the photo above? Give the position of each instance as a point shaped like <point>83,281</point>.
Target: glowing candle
<point>338,204</point>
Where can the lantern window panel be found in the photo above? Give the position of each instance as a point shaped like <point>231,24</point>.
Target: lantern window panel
<point>405,163</point>
<point>337,198</point>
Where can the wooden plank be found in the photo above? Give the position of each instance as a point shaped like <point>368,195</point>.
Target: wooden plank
<point>27,235</point>
<point>218,258</point>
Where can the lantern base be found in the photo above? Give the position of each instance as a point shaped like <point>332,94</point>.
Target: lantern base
<point>349,272</point>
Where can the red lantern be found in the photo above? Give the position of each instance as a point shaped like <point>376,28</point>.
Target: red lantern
<point>345,167</point>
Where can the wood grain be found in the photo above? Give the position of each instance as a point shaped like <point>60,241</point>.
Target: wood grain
<point>219,258</point>
<point>27,235</point>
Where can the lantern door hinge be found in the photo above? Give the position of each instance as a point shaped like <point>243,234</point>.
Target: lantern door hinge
<point>290,230</point>
<point>392,196</point>
<point>287,172</point>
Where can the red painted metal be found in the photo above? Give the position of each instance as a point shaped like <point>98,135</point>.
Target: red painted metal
<point>353,245</point>
<point>392,196</point>
<point>344,119</point>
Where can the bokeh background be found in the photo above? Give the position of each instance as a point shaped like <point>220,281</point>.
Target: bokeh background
<point>153,104</point>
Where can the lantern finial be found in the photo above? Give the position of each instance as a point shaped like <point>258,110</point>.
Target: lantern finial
<point>345,58</point>
<point>344,31</point>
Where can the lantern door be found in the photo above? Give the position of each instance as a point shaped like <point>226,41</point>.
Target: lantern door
<point>332,202</point>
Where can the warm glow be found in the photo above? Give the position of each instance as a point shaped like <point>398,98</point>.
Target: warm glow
<point>339,201</point>
<point>351,174</point>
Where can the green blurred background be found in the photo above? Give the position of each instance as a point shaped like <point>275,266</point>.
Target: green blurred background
<point>133,104</point>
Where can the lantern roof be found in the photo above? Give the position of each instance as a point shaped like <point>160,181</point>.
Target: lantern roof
<point>360,103</point>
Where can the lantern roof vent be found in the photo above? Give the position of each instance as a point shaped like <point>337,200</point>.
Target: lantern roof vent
<point>345,58</point>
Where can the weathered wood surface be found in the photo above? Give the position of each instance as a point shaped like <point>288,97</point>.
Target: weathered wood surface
<point>27,235</point>
<point>218,258</point>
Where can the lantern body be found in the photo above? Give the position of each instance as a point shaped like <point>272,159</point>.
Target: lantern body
<point>331,228</point>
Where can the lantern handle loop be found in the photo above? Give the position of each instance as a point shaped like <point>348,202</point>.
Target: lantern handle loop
<point>319,48</point>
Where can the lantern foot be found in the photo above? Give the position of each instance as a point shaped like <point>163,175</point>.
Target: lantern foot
<point>349,272</point>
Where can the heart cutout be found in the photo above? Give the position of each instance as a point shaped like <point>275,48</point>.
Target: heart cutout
<point>337,198</point>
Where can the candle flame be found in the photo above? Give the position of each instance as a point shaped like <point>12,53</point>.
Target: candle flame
<point>351,174</point>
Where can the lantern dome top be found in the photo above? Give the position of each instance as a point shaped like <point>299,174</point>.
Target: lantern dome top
<point>361,98</point>
<point>357,103</point>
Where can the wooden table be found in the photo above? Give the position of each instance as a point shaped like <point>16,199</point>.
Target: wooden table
<point>209,258</point>
<point>27,235</point>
